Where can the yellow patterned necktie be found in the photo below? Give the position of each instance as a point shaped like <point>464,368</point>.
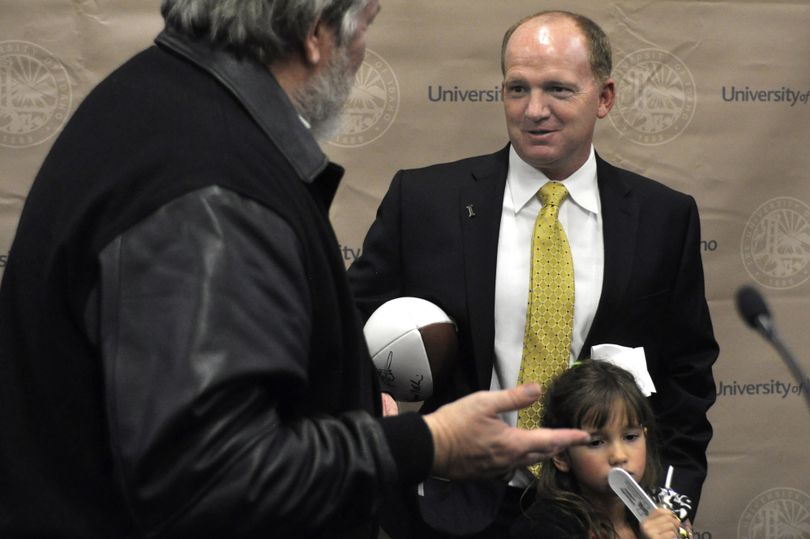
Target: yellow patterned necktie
<point>550,313</point>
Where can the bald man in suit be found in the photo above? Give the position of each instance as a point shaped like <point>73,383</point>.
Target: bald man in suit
<point>459,234</point>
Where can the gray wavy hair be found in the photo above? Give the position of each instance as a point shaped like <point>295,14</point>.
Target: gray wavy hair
<point>266,30</point>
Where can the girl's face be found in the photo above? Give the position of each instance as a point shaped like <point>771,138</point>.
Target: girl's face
<point>617,444</point>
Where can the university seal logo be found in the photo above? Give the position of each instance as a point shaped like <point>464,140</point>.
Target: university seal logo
<point>35,94</point>
<point>372,105</point>
<point>778,513</point>
<point>775,244</point>
<point>655,97</point>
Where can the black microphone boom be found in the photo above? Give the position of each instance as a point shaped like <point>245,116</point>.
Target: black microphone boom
<point>752,308</point>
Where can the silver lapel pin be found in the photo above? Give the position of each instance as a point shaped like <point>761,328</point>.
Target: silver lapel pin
<point>470,211</point>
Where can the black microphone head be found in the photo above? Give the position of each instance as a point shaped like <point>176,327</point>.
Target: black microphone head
<point>751,305</point>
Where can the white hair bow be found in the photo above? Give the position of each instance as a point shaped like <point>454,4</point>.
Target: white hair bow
<point>632,360</point>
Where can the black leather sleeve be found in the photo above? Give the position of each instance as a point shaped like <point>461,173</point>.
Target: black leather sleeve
<point>204,312</point>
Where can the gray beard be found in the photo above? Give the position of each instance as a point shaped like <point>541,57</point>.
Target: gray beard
<point>322,98</point>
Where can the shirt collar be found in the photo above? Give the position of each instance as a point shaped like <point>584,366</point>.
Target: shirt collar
<point>255,87</point>
<point>523,181</point>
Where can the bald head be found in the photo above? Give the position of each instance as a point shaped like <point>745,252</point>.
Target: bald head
<point>599,54</point>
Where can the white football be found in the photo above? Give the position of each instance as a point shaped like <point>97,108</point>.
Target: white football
<point>413,344</point>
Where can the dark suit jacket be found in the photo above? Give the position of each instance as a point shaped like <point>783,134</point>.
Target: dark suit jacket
<point>435,236</point>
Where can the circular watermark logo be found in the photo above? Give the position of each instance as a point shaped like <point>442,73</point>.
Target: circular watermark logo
<point>35,94</point>
<point>655,97</point>
<point>775,244</point>
<point>372,105</point>
<point>778,513</point>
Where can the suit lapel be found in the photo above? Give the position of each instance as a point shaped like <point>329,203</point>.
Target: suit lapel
<point>480,205</point>
<point>620,215</point>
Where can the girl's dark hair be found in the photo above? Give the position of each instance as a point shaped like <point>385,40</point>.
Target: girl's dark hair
<point>584,396</point>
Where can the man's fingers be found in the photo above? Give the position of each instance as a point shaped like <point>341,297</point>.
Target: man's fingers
<point>516,398</point>
<point>469,439</point>
<point>549,442</point>
<point>389,405</point>
<point>545,443</point>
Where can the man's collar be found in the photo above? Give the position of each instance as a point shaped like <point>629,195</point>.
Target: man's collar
<point>258,91</point>
<point>524,181</point>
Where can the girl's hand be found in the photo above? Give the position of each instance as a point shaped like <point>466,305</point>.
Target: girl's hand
<point>660,524</point>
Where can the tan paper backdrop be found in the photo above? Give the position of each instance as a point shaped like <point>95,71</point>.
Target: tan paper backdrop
<point>713,100</point>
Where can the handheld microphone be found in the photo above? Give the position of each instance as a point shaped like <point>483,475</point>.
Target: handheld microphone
<point>752,308</point>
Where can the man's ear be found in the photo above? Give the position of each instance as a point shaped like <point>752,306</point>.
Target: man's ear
<point>560,461</point>
<point>607,96</point>
<point>318,42</point>
<point>312,49</point>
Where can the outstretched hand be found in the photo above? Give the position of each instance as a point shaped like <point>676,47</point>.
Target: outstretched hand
<point>470,440</point>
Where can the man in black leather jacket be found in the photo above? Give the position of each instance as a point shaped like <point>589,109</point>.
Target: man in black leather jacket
<point>179,350</point>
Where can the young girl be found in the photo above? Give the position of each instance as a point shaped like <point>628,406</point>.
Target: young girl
<point>574,500</point>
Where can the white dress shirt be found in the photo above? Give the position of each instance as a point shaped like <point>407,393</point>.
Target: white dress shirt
<point>581,218</point>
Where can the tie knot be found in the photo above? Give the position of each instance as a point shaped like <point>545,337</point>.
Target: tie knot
<point>552,193</point>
